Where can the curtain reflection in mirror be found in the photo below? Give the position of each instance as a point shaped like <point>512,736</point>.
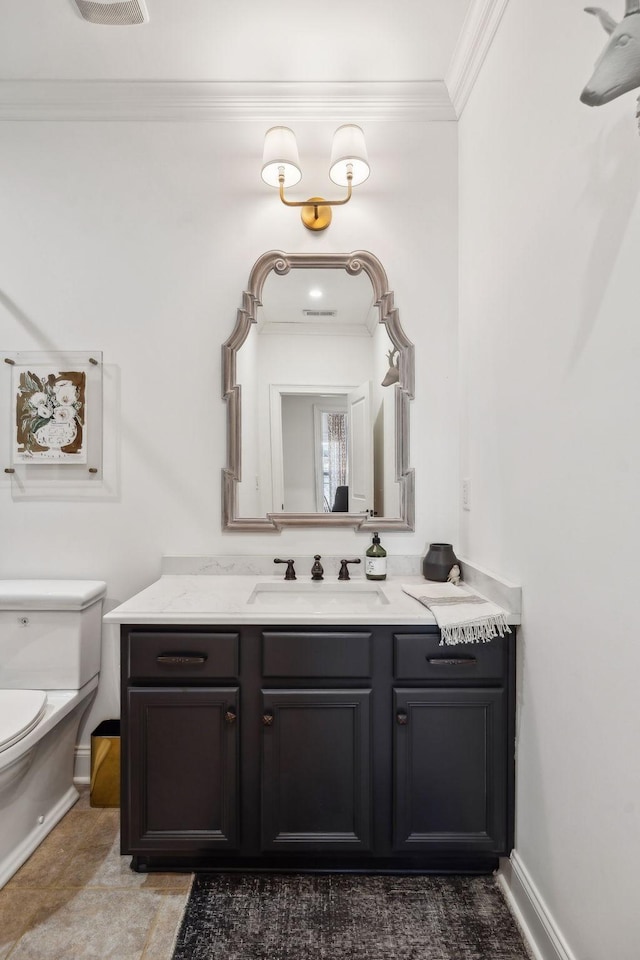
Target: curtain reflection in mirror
<point>334,460</point>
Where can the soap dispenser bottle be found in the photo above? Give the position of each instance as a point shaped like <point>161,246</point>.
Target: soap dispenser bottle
<point>375,565</point>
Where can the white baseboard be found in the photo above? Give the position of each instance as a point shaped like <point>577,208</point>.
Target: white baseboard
<point>29,844</point>
<point>82,765</point>
<point>539,927</point>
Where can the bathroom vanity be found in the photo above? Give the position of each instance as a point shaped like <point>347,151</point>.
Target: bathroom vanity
<point>260,732</point>
<point>313,725</point>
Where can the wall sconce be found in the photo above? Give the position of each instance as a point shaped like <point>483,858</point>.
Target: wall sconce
<point>349,166</point>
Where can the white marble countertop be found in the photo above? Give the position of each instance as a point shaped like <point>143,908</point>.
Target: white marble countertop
<point>221,599</point>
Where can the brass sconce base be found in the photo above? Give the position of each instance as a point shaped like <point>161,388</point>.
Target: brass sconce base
<point>315,214</point>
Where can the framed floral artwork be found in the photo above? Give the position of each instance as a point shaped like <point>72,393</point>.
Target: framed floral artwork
<point>50,415</point>
<point>58,443</point>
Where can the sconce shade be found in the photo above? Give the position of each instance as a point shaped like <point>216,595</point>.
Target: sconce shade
<point>280,150</point>
<point>349,147</point>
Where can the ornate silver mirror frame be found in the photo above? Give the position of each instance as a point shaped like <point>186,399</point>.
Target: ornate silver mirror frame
<point>353,263</point>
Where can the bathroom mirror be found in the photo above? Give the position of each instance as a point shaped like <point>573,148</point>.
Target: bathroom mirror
<point>318,375</point>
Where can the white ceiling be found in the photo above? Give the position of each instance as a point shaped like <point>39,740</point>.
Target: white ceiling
<point>235,40</point>
<point>285,298</point>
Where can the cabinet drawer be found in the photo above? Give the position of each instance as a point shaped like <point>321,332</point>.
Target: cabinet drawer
<point>420,656</point>
<point>183,655</point>
<point>331,654</point>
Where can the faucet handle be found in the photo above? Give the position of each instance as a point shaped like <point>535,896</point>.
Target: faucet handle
<point>290,574</point>
<point>344,570</point>
<point>317,570</point>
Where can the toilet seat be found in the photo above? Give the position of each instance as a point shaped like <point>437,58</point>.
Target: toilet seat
<point>20,712</point>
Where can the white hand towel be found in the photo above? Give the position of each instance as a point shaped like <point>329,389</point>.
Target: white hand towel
<point>462,617</point>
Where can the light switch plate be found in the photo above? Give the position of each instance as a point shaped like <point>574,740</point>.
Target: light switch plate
<point>466,494</point>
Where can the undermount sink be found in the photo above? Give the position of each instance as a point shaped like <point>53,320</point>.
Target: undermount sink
<point>318,597</point>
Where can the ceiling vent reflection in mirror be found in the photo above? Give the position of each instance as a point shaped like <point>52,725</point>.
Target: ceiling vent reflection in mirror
<point>115,13</point>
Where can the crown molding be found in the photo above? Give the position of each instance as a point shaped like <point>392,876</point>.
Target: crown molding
<point>476,37</point>
<point>214,100</point>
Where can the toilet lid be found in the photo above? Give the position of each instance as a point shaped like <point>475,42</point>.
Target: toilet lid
<point>20,711</point>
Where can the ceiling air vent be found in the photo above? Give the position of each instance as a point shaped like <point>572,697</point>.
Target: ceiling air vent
<point>320,313</point>
<point>115,13</point>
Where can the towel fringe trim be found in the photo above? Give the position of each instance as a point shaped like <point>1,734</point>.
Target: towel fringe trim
<point>476,631</point>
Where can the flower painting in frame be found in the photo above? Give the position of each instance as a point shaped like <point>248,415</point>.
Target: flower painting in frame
<point>50,415</point>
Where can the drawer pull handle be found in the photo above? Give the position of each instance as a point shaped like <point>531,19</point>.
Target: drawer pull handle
<point>267,719</point>
<point>402,718</point>
<point>181,660</point>
<point>451,661</point>
<point>230,716</point>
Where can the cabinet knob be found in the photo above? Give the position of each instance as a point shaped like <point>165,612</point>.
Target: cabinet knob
<point>267,719</point>
<point>402,718</point>
<point>230,716</point>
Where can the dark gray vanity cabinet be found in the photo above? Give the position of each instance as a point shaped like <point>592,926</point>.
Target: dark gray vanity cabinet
<point>182,746</point>
<point>363,748</point>
<point>453,745</point>
<point>316,770</point>
<point>315,751</point>
<point>449,770</point>
<point>180,741</point>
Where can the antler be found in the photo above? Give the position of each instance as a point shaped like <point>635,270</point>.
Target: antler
<point>393,373</point>
<point>605,18</point>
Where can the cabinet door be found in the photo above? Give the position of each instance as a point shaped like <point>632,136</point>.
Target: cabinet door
<point>450,767</point>
<point>316,770</point>
<point>181,770</point>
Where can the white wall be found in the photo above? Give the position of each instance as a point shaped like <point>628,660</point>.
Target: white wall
<point>550,339</point>
<point>138,239</point>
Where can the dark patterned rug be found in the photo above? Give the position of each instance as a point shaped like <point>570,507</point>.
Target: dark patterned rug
<point>346,917</point>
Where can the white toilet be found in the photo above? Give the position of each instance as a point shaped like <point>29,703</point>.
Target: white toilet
<point>50,638</point>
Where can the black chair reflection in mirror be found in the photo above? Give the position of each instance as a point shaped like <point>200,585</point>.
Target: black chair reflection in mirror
<point>341,501</point>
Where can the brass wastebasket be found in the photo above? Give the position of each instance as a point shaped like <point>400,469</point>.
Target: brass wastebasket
<point>105,764</point>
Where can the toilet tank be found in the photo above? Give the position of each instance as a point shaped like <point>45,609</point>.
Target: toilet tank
<point>50,633</point>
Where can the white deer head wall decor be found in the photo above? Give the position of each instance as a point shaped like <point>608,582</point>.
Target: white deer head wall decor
<point>618,68</point>
<point>393,373</point>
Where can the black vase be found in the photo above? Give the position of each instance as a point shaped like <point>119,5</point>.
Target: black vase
<point>438,562</point>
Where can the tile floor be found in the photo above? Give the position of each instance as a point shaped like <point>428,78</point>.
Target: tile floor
<point>76,898</point>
